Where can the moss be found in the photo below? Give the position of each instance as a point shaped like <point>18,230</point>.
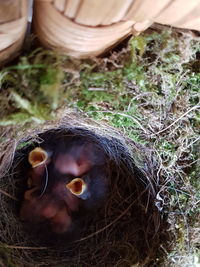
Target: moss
<point>149,91</point>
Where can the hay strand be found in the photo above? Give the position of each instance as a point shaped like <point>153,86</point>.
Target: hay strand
<point>8,195</point>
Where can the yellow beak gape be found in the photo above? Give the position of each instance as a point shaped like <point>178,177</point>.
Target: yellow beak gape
<point>37,157</point>
<point>77,186</point>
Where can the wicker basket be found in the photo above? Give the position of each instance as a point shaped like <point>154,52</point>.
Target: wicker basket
<point>13,22</point>
<point>84,28</point>
<point>57,30</point>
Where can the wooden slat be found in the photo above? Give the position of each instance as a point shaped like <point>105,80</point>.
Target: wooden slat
<point>10,52</point>
<point>142,10</point>
<point>117,11</point>
<point>176,11</point>
<point>24,8</point>
<point>142,26</point>
<point>91,12</point>
<point>10,32</point>
<point>9,10</point>
<point>102,12</point>
<point>191,20</point>
<point>193,24</point>
<point>13,26</point>
<point>60,5</point>
<point>71,8</point>
<point>55,30</point>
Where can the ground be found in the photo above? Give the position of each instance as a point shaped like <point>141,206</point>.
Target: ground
<point>147,88</point>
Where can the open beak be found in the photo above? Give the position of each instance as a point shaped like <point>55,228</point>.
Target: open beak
<point>37,156</point>
<point>78,188</point>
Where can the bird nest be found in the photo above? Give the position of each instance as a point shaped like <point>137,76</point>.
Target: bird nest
<point>127,229</point>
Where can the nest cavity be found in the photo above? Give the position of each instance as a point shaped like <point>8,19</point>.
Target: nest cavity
<point>127,230</point>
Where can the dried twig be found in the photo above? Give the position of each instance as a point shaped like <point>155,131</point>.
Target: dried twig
<point>8,195</point>
<point>22,247</point>
<point>174,122</point>
<point>123,115</point>
<point>113,222</point>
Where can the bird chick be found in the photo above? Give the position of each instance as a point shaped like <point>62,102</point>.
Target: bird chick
<point>79,188</point>
<point>38,159</point>
<point>74,180</point>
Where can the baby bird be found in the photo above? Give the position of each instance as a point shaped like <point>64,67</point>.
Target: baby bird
<point>69,180</point>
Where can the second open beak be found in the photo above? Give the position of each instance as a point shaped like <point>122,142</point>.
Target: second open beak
<point>78,188</point>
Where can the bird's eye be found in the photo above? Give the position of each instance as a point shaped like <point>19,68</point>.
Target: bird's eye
<point>37,157</point>
<point>77,186</point>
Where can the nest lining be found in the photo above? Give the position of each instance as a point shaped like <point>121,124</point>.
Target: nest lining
<point>127,230</point>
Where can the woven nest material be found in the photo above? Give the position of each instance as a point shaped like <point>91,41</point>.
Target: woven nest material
<point>84,28</point>
<point>13,23</point>
<point>127,230</point>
